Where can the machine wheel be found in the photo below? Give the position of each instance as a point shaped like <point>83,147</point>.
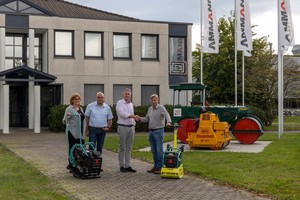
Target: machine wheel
<point>182,133</point>
<point>247,130</point>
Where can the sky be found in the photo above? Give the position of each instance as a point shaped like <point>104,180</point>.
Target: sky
<point>263,13</point>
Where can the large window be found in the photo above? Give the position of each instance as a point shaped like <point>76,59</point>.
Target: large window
<point>90,91</point>
<point>177,49</point>
<point>149,47</point>
<point>122,45</point>
<point>17,51</point>
<point>37,52</point>
<point>93,44</point>
<point>13,51</point>
<point>64,45</point>
<point>118,92</point>
<point>146,92</point>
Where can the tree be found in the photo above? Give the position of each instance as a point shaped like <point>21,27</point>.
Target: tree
<point>260,76</point>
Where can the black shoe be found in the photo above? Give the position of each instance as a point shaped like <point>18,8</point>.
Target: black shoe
<point>122,169</point>
<point>129,169</point>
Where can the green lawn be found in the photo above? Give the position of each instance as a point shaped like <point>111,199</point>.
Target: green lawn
<point>274,172</point>
<point>19,180</point>
<point>290,124</point>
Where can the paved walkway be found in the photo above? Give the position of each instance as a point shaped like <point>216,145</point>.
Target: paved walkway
<point>47,152</point>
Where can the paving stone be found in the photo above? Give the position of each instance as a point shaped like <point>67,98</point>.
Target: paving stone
<point>47,151</point>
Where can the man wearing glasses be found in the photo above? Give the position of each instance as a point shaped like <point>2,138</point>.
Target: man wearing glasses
<point>98,120</point>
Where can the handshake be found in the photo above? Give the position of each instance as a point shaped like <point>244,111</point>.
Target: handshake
<point>136,118</point>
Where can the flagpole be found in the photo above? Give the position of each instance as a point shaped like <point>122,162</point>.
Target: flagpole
<point>243,79</point>
<point>235,56</point>
<point>280,78</point>
<point>201,54</point>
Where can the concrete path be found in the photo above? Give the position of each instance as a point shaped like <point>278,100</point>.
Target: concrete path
<point>47,152</point>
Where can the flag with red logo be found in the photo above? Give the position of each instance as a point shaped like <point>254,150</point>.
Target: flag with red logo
<point>210,33</point>
<point>243,26</point>
<point>286,30</point>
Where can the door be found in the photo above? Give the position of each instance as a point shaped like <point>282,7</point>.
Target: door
<point>18,106</point>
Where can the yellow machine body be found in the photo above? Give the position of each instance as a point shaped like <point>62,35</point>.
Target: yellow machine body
<point>172,159</point>
<point>211,133</point>
<point>172,172</point>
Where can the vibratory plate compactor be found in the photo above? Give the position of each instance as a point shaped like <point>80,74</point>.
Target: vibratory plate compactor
<point>172,157</point>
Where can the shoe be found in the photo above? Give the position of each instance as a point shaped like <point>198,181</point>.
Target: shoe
<point>151,170</point>
<point>122,169</point>
<point>129,169</point>
<point>157,171</point>
<point>101,170</point>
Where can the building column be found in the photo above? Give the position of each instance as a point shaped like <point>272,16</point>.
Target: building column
<point>37,109</point>
<point>31,83</point>
<point>2,68</point>
<point>5,109</point>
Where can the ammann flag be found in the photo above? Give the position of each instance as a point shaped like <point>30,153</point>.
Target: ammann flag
<point>286,30</point>
<point>243,26</point>
<point>210,34</point>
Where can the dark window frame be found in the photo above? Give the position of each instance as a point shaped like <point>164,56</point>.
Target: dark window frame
<point>102,46</point>
<point>130,46</point>
<point>157,47</point>
<point>73,45</point>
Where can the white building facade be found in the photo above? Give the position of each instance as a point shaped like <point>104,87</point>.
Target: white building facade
<point>52,49</point>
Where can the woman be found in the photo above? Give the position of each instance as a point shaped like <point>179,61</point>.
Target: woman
<point>73,118</point>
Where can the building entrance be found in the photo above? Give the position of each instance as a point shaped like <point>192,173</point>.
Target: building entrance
<point>18,106</point>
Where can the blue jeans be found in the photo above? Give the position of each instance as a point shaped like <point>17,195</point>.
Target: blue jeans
<point>97,136</point>
<point>156,138</point>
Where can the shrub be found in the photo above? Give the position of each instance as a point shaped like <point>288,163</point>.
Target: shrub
<point>57,113</point>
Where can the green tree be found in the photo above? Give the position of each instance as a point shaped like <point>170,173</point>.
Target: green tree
<point>260,76</point>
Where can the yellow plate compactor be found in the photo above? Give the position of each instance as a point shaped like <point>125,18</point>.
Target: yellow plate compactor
<point>173,167</point>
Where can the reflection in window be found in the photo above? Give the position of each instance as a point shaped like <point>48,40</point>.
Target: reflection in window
<point>177,49</point>
<point>149,46</point>
<point>93,44</point>
<point>122,46</point>
<point>63,43</point>
<point>13,51</point>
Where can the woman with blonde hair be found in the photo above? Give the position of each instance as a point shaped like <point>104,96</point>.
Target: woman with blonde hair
<point>73,118</point>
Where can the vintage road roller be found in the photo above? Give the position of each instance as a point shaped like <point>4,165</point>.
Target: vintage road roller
<point>244,126</point>
<point>211,133</point>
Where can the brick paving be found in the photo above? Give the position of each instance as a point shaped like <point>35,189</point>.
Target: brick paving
<point>47,152</point>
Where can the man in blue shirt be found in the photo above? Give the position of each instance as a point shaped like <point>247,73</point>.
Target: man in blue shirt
<point>98,121</point>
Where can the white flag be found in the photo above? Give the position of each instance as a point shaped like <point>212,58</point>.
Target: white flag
<point>244,33</point>
<point>210,34</point>
<point>247,53</point>
<point>286,30</point>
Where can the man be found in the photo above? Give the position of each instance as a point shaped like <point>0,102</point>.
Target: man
<point>157,116</point>
<point>126,122</point>
<point>98,121</point>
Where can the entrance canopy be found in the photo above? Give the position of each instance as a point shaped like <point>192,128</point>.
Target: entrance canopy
<point>24,73</point>
<point>188,86</point>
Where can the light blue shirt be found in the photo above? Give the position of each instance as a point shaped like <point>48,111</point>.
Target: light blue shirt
<point>98,115</point>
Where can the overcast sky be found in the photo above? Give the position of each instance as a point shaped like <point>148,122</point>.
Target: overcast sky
<point>263,13</point>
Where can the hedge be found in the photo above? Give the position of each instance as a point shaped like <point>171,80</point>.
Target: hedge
<point>57,113</point>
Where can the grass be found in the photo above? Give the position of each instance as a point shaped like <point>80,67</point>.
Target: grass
<point>273,172</point>
<point>290,124</point>
<point>19,180</point>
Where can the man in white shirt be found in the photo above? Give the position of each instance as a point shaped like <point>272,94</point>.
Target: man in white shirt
<point>126,130</point>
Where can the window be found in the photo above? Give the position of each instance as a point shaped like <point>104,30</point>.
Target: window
<point>118,92</point>
<point>64,44</point>
<point>93,44</point>
<point>90,91</point>
<point>14,51</point>
<point>147,91</point>
<point>37,52</point>
<point>177,49</point>
<point>149,47</point>
<point>122,47</point>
